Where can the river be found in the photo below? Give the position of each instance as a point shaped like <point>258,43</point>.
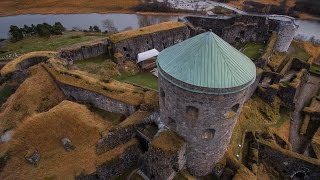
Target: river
<point>307,29</point>
<point>83,21</point>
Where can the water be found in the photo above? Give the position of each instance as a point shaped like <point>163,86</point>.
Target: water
<point>83,21</point>
<point>306,31</point>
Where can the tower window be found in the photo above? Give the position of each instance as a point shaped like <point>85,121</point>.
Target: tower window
<point>162,96</point>
<point>235,108</point>
<point>124,49</point>
<point>192,112</point>
<point>172,123</point>
<point>208,134</point>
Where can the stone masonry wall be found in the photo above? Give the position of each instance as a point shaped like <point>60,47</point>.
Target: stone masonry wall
<point>207,128</point>
<point>96,99</point>
<point>131,47</point>
<point>288,163</point>
<point>286,33</point>
<point>247,28</point>
<point>235,28</point>
<point>81,52</point>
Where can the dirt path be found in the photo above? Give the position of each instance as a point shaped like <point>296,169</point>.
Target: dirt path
<point>306,94</point>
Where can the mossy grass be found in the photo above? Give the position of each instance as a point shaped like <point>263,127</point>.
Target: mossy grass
<point>143,79</point>
<point>254,50</point>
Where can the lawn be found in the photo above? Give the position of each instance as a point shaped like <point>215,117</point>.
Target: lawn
<point>253,50</point>
<point>143,79</point>
<point>53,43</point>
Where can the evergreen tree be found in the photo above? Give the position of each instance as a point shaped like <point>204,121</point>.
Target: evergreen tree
<point>16,33</point>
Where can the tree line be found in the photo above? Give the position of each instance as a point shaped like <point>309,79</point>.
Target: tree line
<point>42,30</point>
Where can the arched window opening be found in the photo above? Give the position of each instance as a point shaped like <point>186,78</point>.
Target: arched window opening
<point>162,96</point>
<point>192,112</point>
<point>235,108</point>
<point>242,33</point>
<point>208,134</point>
<point>172,123</point>
<point>124,49</point>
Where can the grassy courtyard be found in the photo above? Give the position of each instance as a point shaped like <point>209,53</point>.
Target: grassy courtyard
<point>143,79</point>
<point>253,50</point>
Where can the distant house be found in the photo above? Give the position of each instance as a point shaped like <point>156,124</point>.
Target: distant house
<point>147,59</point>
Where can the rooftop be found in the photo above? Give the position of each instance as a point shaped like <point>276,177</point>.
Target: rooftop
<point>207,61</point>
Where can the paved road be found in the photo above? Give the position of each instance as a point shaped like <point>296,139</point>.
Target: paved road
<point>303,99</point>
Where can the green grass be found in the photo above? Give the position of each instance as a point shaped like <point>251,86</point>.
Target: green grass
<point>252,50</point>
<point>53,43</point>
<point>143,79</point>
<point>315,69</point>
<point>5,92</point>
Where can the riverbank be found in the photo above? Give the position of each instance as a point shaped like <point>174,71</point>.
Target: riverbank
<point>10,8</point>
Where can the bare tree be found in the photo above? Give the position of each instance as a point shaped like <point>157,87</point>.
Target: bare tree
<point>109,26</point>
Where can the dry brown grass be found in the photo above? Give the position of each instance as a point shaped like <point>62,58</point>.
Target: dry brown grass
<point>239,3</point>
<point>44,132</point>
<point>13,65</point>
<point>145,30</point>
<point>37,93</point>
<point>123,92</point>
<point>312,49</point>
<point>9,7</point>
<point>168,141</point>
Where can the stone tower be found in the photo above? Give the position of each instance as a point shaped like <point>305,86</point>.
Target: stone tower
<point>203,85</point>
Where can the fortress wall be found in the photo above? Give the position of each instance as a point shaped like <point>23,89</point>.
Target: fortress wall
<point>81,52</point>
<point>234,29</point>
<point>246,28</point>
<point>131,47</point>
<point>96,99</point>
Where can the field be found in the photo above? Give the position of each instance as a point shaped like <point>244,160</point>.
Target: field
<point>9,7</point>
<point>53,43</point>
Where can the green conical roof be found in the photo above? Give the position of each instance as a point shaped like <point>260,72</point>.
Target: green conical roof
<point>208,61</point>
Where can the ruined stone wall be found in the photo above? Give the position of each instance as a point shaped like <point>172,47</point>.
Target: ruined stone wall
<point>131,47</point>
<point>254,85</point>
<point>286,33</point>
<point>288,164</point>
<point>246,28</point>
<point>288,93</point>
<point>205,121</point>
<point>234,29</point>
<point>96,99</point>
<point>81,52</point>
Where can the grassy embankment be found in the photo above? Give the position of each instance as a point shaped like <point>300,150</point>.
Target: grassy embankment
<point>9,7</point>
<point>53,43</point>
<point>105,68</point>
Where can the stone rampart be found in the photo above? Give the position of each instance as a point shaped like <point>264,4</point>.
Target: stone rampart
<point>96,99</point>
<point>84,51</point>
<point>129,48</point>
